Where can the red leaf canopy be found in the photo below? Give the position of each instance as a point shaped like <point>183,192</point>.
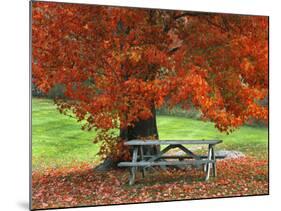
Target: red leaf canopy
<point>116,63</point>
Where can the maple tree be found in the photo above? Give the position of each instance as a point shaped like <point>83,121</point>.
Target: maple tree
<point>117,65</point>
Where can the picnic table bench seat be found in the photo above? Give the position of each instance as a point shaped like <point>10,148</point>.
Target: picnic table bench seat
<point>164,163</point>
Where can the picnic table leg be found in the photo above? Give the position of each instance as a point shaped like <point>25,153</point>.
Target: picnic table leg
<point>133,169</point>
<point>141,157</point>
<point>214,164</point>
<point>208,164</point>
<point>205,167</point>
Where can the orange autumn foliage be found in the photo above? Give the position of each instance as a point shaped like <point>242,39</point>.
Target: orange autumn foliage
<point>114,63</point>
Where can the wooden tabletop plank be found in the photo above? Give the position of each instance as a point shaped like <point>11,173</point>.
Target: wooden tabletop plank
<point>167,142</point>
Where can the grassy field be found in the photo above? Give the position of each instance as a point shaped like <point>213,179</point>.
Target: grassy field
<point>57,140</point>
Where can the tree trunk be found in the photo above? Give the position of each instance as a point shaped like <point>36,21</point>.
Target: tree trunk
<point>142,128</point>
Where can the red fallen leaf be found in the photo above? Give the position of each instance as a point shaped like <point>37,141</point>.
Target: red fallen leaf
<point>45,204</point>
<point>38,194</point>
<point>68,199</point>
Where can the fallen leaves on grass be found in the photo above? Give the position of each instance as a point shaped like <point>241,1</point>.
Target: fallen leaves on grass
<point>82,186</point>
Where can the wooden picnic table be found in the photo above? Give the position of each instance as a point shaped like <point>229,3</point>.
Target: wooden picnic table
<point>142,161</point>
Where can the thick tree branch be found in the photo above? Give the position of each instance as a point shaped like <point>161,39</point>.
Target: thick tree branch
<point>186,14</point>
<point>204,16</point>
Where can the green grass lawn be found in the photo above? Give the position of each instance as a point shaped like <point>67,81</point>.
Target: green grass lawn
<point>57,140</point>
<point>252,141</point>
